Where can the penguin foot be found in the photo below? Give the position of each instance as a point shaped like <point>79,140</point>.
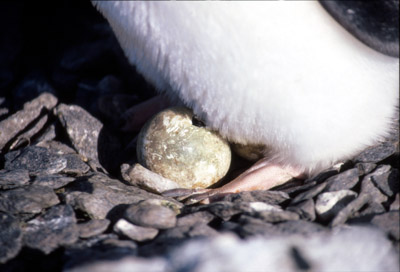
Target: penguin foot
<point>136,116</point>
<point>263,175</point>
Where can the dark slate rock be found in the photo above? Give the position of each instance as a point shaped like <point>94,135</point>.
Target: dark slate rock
<point>342,181</point>
<point>57,227</point>
<point>270,197</point>
<point>370,209</point>
<point>37,160</point>
<point>388,222</point>
<point>387,181</point>
<point>249,226</point>
<point>147,214</point>
<point>57,147</point>
<point>53,181</point>
<point>368,187</point>
<point>365,167</point>
<point>10,237</point>
<point>351,208</point>
<point>377,153</point>
<point>75,165</point>
<point>201,217</point>
<point>277,216</point>
<point>30,199</point>
<point>309,193</point>
<point>134,232</point>
<point>93,227</point>
<point>298,188</point>
<point>13,178</point>
<point>15,123</point>
<point>324,175</point>
<point>223,209</point>
<point>306,209</point>
<point>48,134</point>
<point>98,195</point>
<point>329,204</point>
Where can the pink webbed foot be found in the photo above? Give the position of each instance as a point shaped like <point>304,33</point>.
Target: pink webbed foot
<point>136,116</point>
<point>263,175</point>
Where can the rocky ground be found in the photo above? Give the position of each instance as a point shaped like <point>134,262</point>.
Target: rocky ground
<point>65,205</point>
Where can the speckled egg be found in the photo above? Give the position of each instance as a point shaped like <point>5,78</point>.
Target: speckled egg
<point>175,146</point>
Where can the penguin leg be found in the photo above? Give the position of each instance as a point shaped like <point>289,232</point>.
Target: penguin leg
<point>263,175</point>
<point>136,116</point>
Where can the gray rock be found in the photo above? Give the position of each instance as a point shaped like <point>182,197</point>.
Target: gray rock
<point>48,134</point>
<point>30,199</point>
<point>201,217</point>
<point>147,214</point>
<point>351,208</point>
<point>75,165</point>
<point>13,178</point>
<point>309,193</point>
<point>15,123</point>
<point>134,232</point>
<point>37,160</point>
<point>57,147</point>
<point>298,188</point>
<point>181,233</point>
<point>330,203</point>
<point>386,180</point>
<point>365,167</point>
<point>300,227</point>
<point>52,181</point>
<point>377,153</point>
<point>368,188</point>
<point>306,209</point>
<point>277,216</point>
<point>10,237</point>
<point>388,222</point>
<point>396,203</point>
<point>342,181</point>
<point>93,227</point>
<point>223,209</point>
<point>98,195</point>
<point>249,226</point>
<point>57,227</point>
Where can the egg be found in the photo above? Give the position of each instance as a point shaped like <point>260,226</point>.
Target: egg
<point>175,145</point>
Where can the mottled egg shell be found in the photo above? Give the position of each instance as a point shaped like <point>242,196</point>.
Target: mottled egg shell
<point>172,146</point>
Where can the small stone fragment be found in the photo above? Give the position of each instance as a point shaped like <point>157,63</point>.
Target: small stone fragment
<point>151,215</point>
<point>386,180</point>
<point>377,153</point>
<point>52,181</point>
<point>30,199</point>
<point>365,167</point>
<point>10,237</point>
<point>330,203</point>
<point>269,197</point>
<point>277,216</point>
<point>55,228</point>
<point>93,227</point>
<point>342,181</point>
<point>309,193</point>
<point>306,209</point>
<point>368,188</point>
<point>351,208</point>
<point>396,203</point>
<point>134,232</point>
<point>201,217</point>
<point>148,180</point>
<point>13,178</point>
<point>171,145</point>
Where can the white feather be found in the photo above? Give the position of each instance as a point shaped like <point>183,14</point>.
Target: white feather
<point>283,74</point>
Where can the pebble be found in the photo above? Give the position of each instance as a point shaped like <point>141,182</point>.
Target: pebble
<point>93,227</point>
<point>330,203</point>
<point>343,181</point>
<point>134,232</point>
<point>13,178</point>
<point>10,237</point>
<point>147,214</point>
<point>171,145</point>
<point>306,209</point>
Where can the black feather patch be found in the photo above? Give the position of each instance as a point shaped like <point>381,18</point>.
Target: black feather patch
<point>374,22</point>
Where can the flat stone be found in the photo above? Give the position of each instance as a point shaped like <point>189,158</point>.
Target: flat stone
<point>57,227</point>
<point>48,134</point>
<point>151,215</point>
<point>386,180</point>
<point>57,147</point>
<point>75,165</point>
<point>299,187</point>
<point>270,197</point>
<point>309,193</point>
<point>30,199</point>
<point>342,181</point>
<point>351,208</point>
<point>134,232</point>
<point>10,237</point>
<point>330,203</point>
<point>277,216</point>
<point>98,195</point>
<point>93,227</point>
<point>388,222</point>
<point>15,123</point>
<point>306,209</point>
<point>52,181</point>
<point>377,153</point>
<point>368,188</point>
<point>13,178</point>
<point>37,160</point>
<point>201,217</point>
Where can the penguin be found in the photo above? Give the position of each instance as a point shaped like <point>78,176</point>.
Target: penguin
<point>313,82</point>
